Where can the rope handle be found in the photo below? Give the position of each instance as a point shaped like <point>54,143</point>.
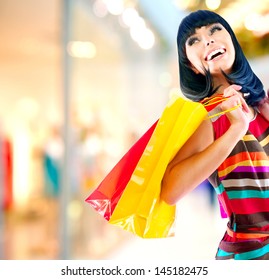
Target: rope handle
<point>223,112</point>
<point>216,100</point>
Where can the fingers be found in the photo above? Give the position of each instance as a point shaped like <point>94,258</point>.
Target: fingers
<point>231,90</point>
<point>234,93</point>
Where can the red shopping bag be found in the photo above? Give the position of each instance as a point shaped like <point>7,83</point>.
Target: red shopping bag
<point>106,196</point>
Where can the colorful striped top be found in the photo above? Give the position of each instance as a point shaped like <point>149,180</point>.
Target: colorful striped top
<point>242,186</point>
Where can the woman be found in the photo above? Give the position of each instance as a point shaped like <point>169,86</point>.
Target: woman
<point>230,149</point>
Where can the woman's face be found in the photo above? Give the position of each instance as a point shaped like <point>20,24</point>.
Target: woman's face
<point>210,47</point>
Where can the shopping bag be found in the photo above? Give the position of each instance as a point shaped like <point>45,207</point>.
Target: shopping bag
<point>106,195</point>
<point>140,209</point>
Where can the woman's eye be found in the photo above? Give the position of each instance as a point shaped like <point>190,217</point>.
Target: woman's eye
<point>215,28</point>
<point>192,40</point>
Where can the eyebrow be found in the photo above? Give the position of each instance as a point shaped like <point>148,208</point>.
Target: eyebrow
<point>206,26</point>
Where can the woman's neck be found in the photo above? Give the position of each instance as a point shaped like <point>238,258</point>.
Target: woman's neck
<point>221,83</point>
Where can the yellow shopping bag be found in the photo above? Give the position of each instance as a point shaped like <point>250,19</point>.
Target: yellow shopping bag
<point>140,209</point>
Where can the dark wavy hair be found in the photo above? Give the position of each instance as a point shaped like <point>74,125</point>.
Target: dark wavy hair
<point>198,86</point>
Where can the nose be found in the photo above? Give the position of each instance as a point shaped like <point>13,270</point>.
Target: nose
<point>209,41</point>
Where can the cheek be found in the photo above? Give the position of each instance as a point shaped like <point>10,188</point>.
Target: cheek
<point>197,65</point>
<point>231,55</point>
<point>194,59</point>
<point>192,56</point>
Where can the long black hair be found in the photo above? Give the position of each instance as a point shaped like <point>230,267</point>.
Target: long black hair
<point>198,86</point>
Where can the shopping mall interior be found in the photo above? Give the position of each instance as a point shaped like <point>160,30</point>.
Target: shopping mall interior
<point>81,81</point>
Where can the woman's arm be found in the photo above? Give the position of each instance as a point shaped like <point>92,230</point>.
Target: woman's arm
<point>201,155</point>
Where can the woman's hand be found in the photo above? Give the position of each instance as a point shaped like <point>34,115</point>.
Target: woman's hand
<point>239,116</point>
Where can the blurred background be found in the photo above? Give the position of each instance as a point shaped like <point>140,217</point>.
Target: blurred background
<point>80,82</point>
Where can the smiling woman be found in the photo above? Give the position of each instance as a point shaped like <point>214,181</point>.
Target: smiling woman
<point>210,47</point>
<point>197,87</point>
<point>230,150</point>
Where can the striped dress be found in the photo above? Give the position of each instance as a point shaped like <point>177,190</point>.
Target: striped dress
<point>242,186</point>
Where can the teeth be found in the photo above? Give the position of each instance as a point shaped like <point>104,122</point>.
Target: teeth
<point>209,57</point>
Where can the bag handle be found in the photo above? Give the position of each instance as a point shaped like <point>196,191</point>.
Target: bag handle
<point>216,100</point>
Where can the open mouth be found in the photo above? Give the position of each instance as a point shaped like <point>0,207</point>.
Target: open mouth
<point>215,54</point>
